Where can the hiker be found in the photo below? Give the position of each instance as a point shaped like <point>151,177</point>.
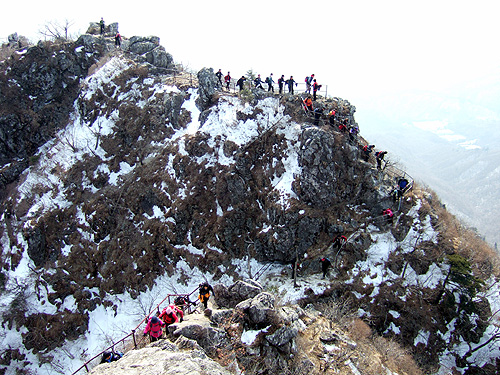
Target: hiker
<point>308,81</point>
<point>219,78</point>
<point>388,215</point>
<point>270,83</point>
<point>353,132</point>
<point>343,127</point>
<point>101,23</point>
<point>108,357</point>
<point>309,104</point>
<point>154,328</point>
<point>403,184</point>
<point>183,302</point>
<point>332,117</point>
<point>396,194</point>
<point>295,266</point>
<point>118,40</point>
<point>258,82</point>
<point>281,83</point>
<point>316,88</point>
<point>317,116</point>
<point>227,79</point>
<point>339,241</point>
<point>367,149</point>
<point>171,315</point>
<point>204,290</point>
<point>290,83</point>
<point>380,156</point>
<point>241,82</point>
<point>325,265</point>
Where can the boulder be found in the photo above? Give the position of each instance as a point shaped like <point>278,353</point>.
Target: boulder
<point>283,335</point>
<point>236,293</point>
<point>109,30</point>
<point>141,45</point>
<point>259,311</point>
<point>207,88</point>
<point>159,58</point>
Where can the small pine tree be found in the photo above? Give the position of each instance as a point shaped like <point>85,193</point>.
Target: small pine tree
<point>250,76</point>
<point>460,274</point>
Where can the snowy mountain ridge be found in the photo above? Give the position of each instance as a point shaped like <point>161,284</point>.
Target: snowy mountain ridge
<point>154,185</point>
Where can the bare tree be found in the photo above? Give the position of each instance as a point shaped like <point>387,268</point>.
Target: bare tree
<point>57,31</point>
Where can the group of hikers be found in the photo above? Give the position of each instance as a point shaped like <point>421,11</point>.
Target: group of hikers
<point>335,119</point>
<point>290,83</point>
<point>174,312</point>
<point>118,37</point>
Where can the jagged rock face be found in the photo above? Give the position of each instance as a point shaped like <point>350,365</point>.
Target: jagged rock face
<point>258,310</point>
<point>37,95</point>
<point>207,87</point>
<point>236,293</point>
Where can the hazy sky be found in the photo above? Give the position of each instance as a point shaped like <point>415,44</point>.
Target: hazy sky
<point>357,48</point>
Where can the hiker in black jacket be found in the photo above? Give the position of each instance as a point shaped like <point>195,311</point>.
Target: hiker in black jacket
<point>219,78</point>
<point>325,265</point>
<point>290,83</point>
<point>241,82</point>
<point>281,83</point>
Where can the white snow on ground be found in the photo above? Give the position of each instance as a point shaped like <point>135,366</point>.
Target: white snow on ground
<point>248,337</point>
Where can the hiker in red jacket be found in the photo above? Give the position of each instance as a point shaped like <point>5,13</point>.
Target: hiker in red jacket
<point>227,80</point>
<point>388,215</point>
<point>171,314</point>
<point>316,88</point>
<point>154,328</point>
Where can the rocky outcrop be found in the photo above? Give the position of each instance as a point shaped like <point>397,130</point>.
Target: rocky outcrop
<point>258,310</point>
<point>242,290</point>
<point>207,88</point>
<point>150,50</point>
<point>162,358</point>
<point>109,30</point>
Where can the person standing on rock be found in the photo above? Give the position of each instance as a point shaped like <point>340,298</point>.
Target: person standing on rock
<point>101,23</point>
<point>118,40</point>
<point>219,78</point>
<point>241,82</point>
<point>227,79</point>
<point>290,83</point>
<point>281,83</point>
<point>325,265</point>
<point>258,83</point>
<point>270,83</point>
<point>204,293</point>
<point>308,81</point>
<point>154,328</point>
<point>316,88</point>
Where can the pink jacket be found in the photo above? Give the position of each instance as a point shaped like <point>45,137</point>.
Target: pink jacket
<point>154,327</point>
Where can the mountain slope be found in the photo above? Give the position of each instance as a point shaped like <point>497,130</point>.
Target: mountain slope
<point>157,182</point>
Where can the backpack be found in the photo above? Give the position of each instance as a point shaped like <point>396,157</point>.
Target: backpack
<point>307,80</point>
